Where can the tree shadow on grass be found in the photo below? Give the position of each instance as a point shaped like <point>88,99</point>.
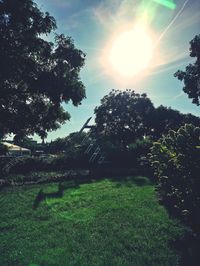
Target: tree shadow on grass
<point>62,186</point>
<point>131,180</point>
<point>41,196</point>
<point>76,182</point>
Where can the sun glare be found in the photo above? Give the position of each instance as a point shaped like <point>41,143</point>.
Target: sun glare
<point>131,51</point>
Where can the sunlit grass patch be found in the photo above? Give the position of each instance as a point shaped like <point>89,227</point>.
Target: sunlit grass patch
<point>98,223</point>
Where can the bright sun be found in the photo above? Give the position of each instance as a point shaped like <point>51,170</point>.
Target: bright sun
<point>131,51</point>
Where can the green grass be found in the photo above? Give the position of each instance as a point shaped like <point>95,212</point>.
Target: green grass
<point>99,223</point>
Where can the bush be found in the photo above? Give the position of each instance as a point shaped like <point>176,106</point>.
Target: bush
<point>129,158</point>
<point>3,149</point>
<point>4,160</point>
<point>68,162</point>
<point>175,159</point>
<point>23,165</point>
<point>140,148</point>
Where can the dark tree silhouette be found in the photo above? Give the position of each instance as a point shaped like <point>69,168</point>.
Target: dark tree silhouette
<point>165,118</point>
<point>191,75</point>
<point>36,76</point>
<point>69,145</point>
<point>122,116</point>
<point>126,116</point>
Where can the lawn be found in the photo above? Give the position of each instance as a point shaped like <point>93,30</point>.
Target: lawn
<point>107,222</point>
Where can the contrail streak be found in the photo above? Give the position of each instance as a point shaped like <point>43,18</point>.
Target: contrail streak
<point>172,22</point>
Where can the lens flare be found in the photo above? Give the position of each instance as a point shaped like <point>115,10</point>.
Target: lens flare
<point>167,3</point>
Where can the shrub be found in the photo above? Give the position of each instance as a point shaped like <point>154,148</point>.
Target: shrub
<point>175,159</point>
<point>129,157</point>
<point>4,160</point>
<point>68,162</point>
<point>140,148</point>
<point>3,149</point>
<point>60,163</point>
<point>23,165</point>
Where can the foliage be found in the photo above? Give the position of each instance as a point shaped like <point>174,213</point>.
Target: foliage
<point>3,149</point>
<point>121,117</point>
<point>66,162</point>
<point>41,177</point>
<point>3,161</point>
<point>138,155</point>
<point>74,228</point>
<point>175,159</point>
<point>165,118</point>
<point>125,116</point>
<point>140,147</point>
<point>191,75</point>
<point>26,165</point>
<point>70,145</point>
<point>129,158</point>
<point>70,155</point>
<point>37,76</point>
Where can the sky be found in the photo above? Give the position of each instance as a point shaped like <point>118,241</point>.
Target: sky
<point>97,25</point>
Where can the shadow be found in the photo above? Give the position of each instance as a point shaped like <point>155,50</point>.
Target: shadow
<point>131,180</point>
<point>189,249</point>
<point>92,177</point>
<point>122,175</point>
<point>41,196</point>
<point>62,186</point>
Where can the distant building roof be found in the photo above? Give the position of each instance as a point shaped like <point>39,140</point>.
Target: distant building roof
<point>13,147</point>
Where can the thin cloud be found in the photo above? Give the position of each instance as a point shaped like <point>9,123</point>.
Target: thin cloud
<point>180,95</point>
<point>109,13</point>
<point>74,21</point>
<point>188,21</point>
<point>60,3</point>
<point>172,22</point>
<point>173,66</point>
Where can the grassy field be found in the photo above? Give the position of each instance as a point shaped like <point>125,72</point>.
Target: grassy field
<point>109,222</point>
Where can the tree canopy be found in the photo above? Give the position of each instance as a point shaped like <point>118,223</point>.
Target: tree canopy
<point>67,145</point>
<point>122,116</point>
<point>165,118</point>
<point>37,76</point>
<point>191,75</point>
<point>125,116</point>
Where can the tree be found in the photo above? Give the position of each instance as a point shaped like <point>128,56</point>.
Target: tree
<point>191,75</point>
<point>125,116</point>
<point>36,76</point>
<point>122,117</point>
<point>69,145</point>
<point>164,118</point>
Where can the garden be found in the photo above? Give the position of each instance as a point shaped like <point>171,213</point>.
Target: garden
<point>123,189</point>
